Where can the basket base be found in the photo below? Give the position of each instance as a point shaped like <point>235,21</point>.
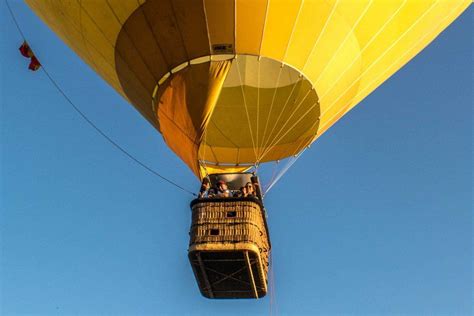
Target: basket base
<point>228,274</point>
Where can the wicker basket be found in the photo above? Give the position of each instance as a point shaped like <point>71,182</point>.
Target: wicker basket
<point>229,247</point>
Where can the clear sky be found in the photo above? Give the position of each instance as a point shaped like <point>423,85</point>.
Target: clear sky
<point>374,219</point>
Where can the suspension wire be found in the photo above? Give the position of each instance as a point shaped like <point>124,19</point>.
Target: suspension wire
<point>265,141</point>
<point>274,173</point>
<point>258,103</point>
<point>275,141</point>
<point>94,126</point>
<point>270,110</point>
<point>296,155</point>
<point>273,303</point>
<point>202,162</point>
<point>284,170</point>
<point>246,110</point>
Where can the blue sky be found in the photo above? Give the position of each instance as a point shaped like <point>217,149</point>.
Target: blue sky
<point>374,219</point>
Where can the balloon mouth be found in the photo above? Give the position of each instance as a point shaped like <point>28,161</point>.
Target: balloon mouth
<point>265,111</point>
<point>274,73</point>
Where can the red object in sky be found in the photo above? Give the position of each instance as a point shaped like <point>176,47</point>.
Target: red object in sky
<point>34,64</point>
<point>25,50</point>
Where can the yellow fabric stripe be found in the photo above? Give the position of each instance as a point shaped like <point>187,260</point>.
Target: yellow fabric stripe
<point>407,47</point>
<point>280,19</point>
<point>249,25</point>
<point>192,26</point>
<point>220,22</point>
<point>411,40</point>
<point>310,22</point>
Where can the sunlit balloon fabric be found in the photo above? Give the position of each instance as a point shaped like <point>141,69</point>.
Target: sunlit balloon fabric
<point>232,83</point>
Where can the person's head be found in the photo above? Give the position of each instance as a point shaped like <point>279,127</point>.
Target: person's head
<point>244,191</point>
<point>205,184</point>
<point>250,188</point>
<point>222,185</point>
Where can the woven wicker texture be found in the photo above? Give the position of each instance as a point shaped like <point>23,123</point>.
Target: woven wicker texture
<point>230,228</point>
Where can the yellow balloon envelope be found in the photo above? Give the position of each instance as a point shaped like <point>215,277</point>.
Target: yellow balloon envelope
<point>234,83</point>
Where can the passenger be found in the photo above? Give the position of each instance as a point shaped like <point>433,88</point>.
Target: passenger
<point>237,193</point>
<point>212,193</point>
<point>250,189</point>
<point>241,193</point>
<point>205,188</point>
<point>222,189</point>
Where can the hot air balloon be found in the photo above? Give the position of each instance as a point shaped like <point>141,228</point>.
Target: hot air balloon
<point>232,84</point>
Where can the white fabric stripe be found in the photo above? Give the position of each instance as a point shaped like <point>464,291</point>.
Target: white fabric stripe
<point>264,27</point>
<point>365,47</point>
<point>293,30</point>
<point>387,69</point>
<point>401,57</point>
<point>258,98</point>
<point>343,42</point>
<point>381,56</point>
<point>207,26</point>
<point>408,51</point>
<point>320,35</point>
<point>234,47</point>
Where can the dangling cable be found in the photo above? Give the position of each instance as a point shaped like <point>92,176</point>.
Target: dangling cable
<point>274,173</point>
<point>97,129</point>
<point>284,170</point>
<point>273,303</point>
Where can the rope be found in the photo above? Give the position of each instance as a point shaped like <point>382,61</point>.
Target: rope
<point>265,143</point>
<point>296,155</point>
<point>270,110</point>
<point>273,303</point>
<point>284,170</point>
<point>95,127</point>
<point>277,140</point>
<point>258,101</point>
<point>246,110</point>
<point>274,173</point>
